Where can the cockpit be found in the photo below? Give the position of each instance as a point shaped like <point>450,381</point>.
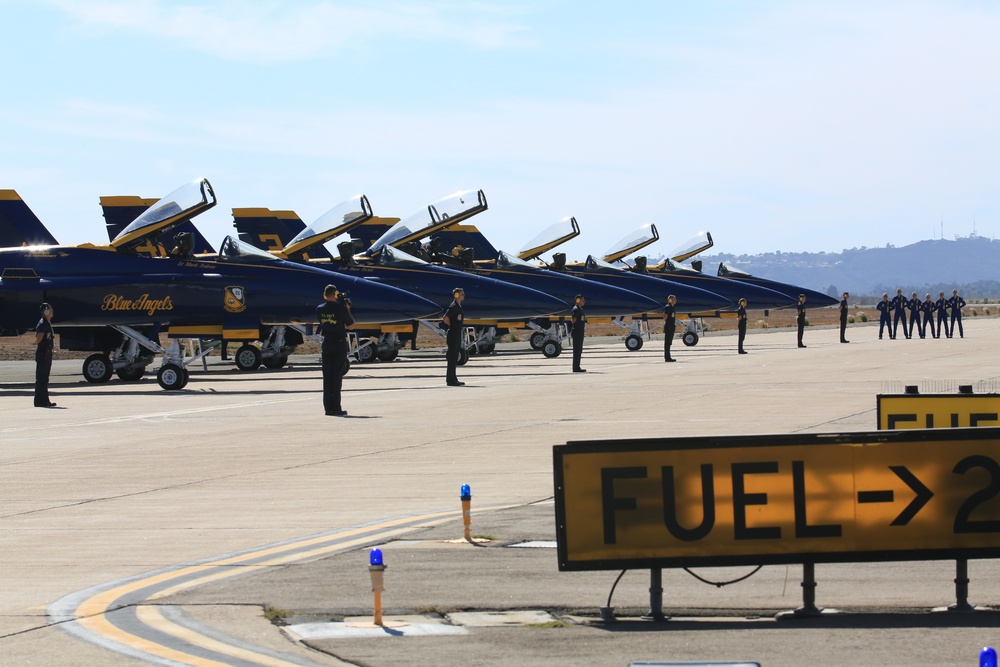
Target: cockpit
<point>234,250</point>
<point>443,213</point>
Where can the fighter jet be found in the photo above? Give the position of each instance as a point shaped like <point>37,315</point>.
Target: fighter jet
<point>239,290</point>
<point>813,298</point>
<point>487,300</point>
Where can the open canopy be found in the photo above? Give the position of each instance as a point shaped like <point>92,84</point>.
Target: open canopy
<point>179,206</point>
<point>340,219</point>
<point>700,242</point>
<point>445,212</point>
<point>552,236</point>
<point>234,250</point>
<point>633,242</point>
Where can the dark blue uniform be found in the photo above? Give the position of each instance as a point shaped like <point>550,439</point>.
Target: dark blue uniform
<point>456,324</point>
<point>334,318</point>
<point>843,320</point>
<point>577,331</point>
<point>927,310</point>
<point>669,329</point>
<point>941,306</point>
<point>43,363</point>
<point>741,315</point>
<point>800,320</point>
<point>913,305</point>
<point>899,315</point>
<point>956,304</point>
<point>884,308</point>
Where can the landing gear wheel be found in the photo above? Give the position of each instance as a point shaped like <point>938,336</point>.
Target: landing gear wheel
<point>551,349</point>
<point>690,338</point>
<point>171,377</point>
<point>387,355</point>
<point>487,348</point>
<point>248,357</point>
<point>131,374</point>
<point>97,369</point>
<point>276,362</point>
<point>537,340</point>
<point>366,354</point>
<point>633,342</point>
<point>463,357</point>
<point>347,367</point>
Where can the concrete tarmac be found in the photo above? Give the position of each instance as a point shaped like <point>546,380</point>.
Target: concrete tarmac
<point>121,480</point>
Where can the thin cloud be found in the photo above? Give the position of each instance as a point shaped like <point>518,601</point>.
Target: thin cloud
<point>273,32</point>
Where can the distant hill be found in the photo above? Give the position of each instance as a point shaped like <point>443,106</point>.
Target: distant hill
<point>970,264</point>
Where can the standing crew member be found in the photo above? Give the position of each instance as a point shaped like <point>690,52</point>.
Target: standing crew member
<point>741,316</point>
<point>899,313</point>
<point>335,318</point>
<point>44,339</point>
<point>884,307</point>
<point>669,326</point>
<point>454,319</point>
<point>941,306</point>
<point>914,305</point>
<point>843,318</point>
<point>956,303</point>
<point>800,317</point>
<point>578,327</point>
<point>927,309</point>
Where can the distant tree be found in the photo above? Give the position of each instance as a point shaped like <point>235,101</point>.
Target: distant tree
<point>832,291</point>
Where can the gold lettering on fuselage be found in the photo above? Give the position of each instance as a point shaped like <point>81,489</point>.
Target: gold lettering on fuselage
<point>117,302</point>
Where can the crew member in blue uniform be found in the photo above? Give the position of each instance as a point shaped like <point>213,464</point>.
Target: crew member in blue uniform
<point>927,313</point>
<point>669,326</point>
<point>899,313</point>
<point>884,308</point>
<point>843,318</point>
<point>956,304</point>
<point>741,325</point>
<point>913,305</point>
<point>941,307</point>
<point>800,317</point>
<point>335,318</point>
<point>578,327</point>
<point>44,342</point>
<point>454,319</point>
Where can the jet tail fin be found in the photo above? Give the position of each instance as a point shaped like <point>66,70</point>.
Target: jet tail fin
<point>120,211</point>
<point>19,225</point>
<point>273,230</point>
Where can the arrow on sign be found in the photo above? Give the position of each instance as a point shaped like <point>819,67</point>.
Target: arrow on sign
<point>923,496</point>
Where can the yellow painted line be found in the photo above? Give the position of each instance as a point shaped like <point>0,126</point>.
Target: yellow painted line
<point>92,612</point>
<point>154,618</point>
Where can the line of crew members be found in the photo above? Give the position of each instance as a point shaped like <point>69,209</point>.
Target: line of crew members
<point>919,316</point>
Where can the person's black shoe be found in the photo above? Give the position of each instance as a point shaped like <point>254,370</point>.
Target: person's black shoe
<point>801,345</point>
<point>336,413</point>
<point>456,384</point>
<point>743,352</point>
<point>845,341</point>
<point>579,370</point>
<point>671,359</point>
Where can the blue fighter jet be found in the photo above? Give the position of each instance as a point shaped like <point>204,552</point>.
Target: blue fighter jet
<point>241,289</point>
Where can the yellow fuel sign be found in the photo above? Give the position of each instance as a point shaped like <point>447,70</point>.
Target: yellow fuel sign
<point>680,502</point>
<point>937,410</point>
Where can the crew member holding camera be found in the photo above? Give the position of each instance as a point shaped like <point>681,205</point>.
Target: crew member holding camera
<point>335,318</point>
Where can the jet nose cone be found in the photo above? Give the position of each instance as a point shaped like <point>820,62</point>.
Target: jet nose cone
<point>495,299</point>
<point>608,301</point>
<point>695,299</point>
<point>384,304</point>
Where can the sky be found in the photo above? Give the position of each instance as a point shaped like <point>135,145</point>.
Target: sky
<point>797,126</point>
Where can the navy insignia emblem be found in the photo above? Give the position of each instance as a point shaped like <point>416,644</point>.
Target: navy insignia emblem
<point>235,299</point>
